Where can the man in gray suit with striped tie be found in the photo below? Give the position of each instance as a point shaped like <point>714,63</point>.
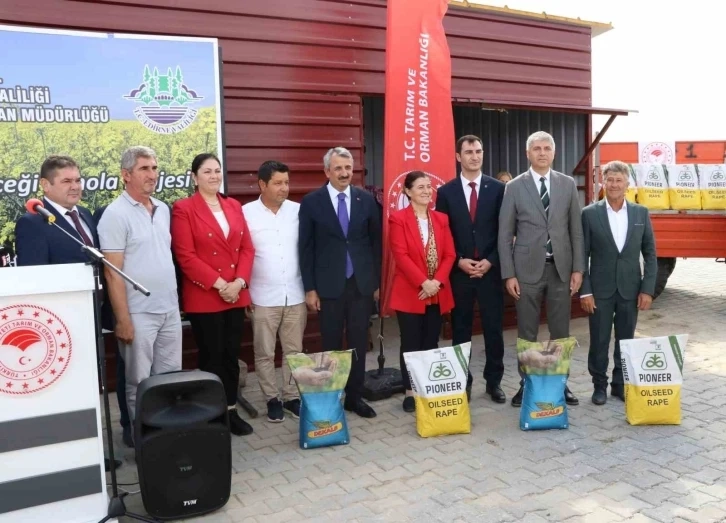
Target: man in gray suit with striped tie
<point>541,247</point>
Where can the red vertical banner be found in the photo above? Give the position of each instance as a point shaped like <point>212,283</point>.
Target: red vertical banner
<point>419,121</point>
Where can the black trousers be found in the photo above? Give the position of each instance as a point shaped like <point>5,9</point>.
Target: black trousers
<point>349,313</point>
<point>488,291</point>
<point>218,336</point>
<point>418,332</point>
<point>622,312</point>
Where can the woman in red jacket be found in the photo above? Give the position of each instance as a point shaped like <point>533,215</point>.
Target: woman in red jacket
<point>212,244</point>
<point>423,250</point>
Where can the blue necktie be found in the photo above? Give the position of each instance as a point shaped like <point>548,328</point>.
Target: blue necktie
<point>343,219</point>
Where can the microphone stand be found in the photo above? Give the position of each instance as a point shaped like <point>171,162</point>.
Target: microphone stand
<point>116,507</point>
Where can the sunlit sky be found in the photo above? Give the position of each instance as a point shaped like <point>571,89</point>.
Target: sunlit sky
<point>665,60</point>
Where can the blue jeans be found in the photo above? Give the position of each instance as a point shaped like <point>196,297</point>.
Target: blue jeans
<point>121,388</point>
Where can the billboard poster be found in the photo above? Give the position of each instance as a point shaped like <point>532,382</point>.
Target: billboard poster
<point>92,95</point>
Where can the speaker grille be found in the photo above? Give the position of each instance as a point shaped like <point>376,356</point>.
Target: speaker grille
<point>185,473</point>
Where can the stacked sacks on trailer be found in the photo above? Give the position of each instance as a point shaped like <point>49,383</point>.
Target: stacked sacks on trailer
<point>713,186</point>
<point>684,191</point>
<point>652,186</point>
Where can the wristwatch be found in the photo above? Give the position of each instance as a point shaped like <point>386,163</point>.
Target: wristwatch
<point>244,283</point>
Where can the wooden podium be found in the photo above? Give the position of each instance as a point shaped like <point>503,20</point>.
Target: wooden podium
<point>51,445</point>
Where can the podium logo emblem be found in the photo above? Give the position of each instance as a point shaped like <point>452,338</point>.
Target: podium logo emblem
<point>35,349</point>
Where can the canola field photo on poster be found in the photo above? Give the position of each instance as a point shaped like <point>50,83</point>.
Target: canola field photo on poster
<point>92,95</point>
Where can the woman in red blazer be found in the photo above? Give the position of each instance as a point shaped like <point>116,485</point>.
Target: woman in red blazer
<point>213,247</point>
<point>423,250</point>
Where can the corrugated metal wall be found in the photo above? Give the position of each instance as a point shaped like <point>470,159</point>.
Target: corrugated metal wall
<point>504,134</point>
<point>294,70</point>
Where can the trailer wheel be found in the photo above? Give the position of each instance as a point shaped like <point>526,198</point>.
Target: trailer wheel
<point>665,269</point>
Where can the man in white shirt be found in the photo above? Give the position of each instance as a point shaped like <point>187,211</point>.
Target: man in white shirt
<point>276,287</point>
<point>615,233</point>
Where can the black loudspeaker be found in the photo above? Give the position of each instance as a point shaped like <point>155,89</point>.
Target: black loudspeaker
<point>183,444</point>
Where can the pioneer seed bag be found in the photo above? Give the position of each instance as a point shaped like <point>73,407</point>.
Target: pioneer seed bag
<point>632,193</point>
<point>653,374</point>
<point>321,378</point>
<point>684,190</point>
<point>546,366</point>
<point>652,186</point>
<point>438,381</point>
<point>713,186</point>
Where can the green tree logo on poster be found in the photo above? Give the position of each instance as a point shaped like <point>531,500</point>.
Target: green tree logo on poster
<point>164,100</point>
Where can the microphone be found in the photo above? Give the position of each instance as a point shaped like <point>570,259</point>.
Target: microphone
<point>36,206</point>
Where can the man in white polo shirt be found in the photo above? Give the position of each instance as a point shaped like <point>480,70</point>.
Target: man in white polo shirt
<point>276,288</point>
<point>135,237</point>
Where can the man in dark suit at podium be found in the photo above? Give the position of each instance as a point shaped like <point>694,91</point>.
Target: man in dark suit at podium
<point>39,243</point>
<point>340,259</point>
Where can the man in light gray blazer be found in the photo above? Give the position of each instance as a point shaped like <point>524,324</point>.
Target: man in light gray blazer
<point>540,246</point>
<point>614,288</point>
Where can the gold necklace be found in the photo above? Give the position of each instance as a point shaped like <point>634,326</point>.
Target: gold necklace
<point>424,217</point>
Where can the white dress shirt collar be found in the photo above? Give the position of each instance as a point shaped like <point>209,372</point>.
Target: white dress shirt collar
<point>266,208</point>
<point>536,179</point>
<point>537,175</point>
<point>465,182</point>
<point>58,207</point>
<point>610,207</point>
<point>275,280</point>
<point>618,221</point>
<point>62,211</point>
<point>335,192</point>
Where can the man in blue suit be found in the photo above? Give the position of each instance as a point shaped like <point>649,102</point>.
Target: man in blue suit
<point>40,243</point>
<point>340,261</point>
<point>472,201</point>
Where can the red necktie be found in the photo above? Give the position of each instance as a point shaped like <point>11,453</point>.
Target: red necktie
<point>77,222</point>
<point>472,201</point>
<point>472,210</point>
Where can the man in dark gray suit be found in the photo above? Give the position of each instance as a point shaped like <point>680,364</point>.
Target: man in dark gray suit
<point>540,246</point>
<point>616,232</point>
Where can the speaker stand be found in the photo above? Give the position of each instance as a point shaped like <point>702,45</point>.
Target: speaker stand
<point>382,383</point>
<point>116,507</point>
